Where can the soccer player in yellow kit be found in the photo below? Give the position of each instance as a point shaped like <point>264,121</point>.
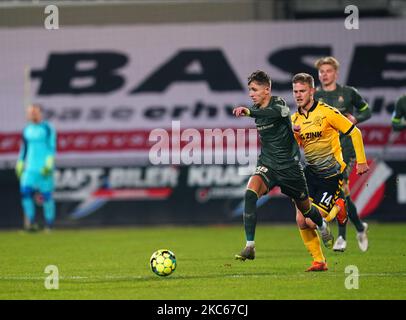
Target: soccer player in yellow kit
<point>317,127</point>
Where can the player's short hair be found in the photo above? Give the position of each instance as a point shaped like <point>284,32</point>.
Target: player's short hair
<point>37,106</point>
<point>260,77</point>
<point>303,78</point>
<point>327,60</point>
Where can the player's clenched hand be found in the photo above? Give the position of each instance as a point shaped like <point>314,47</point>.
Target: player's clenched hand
<point>241,111</point>
<point>362,168</point>
<point>296,128</point>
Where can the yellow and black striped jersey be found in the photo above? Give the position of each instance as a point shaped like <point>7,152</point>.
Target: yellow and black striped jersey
<point>319,137</point>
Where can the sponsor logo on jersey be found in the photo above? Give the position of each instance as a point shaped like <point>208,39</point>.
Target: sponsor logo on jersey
<point>310,135</point>
<point>318,121</point>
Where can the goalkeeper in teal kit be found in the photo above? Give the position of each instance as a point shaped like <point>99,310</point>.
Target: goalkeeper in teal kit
<point>35,167</point>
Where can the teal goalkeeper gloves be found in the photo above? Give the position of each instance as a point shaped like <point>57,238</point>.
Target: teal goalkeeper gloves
<point>49,166</point>
<point>19,168</point>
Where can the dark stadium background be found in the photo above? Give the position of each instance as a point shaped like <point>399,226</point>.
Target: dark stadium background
<point>196,36</point>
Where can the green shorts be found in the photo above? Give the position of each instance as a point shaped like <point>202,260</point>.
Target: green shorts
<point>291,180</point>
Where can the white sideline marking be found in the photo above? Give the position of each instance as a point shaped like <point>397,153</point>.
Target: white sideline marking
<point>113,277</point>
<point>72,277</point>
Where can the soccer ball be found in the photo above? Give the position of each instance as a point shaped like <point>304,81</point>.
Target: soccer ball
<point>163,262</point>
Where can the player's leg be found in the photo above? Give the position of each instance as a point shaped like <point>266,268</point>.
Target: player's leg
<point>341,243</point>
<point>352,209</point>
<point>328,198</point>
<point>28,205</point>
<point>312,212</point>
<point>49,209</point>
<point>331,201</point>
<point>338,210</point>
<point>255,189</point>
<point>311,241</point>
<point>46,189</point>
<point>360,226</point>
<point>27,200</point>
<point>348,155</point>
<point>310,238</point>
<point>293,183</point>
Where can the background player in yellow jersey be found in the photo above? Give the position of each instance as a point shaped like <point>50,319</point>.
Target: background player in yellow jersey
<point>317,127</point>
<point>350,103</point>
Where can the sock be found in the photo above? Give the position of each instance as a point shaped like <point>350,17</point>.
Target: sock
<point>29,208</point>
<point>250,244</point>
<point>49,212</point>
<point>250,215</point>
<point>353,214</point>
<point>312,242</point>
<point>342,230</point>
<point>314,215</point>
<point>332,214</point>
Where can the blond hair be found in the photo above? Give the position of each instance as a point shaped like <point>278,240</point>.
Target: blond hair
<point>303,78</point>
<point>327,60</point>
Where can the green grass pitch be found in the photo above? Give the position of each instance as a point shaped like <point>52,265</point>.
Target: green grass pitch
<point>113,263</point>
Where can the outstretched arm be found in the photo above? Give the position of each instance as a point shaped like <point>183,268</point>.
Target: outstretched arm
<point>277,111</point>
